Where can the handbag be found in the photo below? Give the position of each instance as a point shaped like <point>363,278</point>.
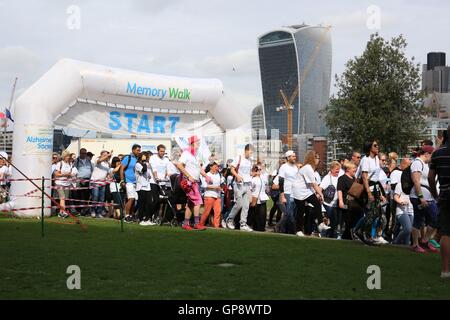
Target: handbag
<point>357,189</point>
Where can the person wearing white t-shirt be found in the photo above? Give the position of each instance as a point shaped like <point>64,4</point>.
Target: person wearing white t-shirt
<point>259,199</point>
<point>287,174</point>
<point>160,165</point>
<point>329,182</point>
<point>101,171</point>
<point>144,185</point>
<point>369,171</point>
<point>423,202</point>
<point>306,191</point>
<point>241,170</point>
<point>64,173</point>
<point>404,215</point>
<point>189,165</point>
<point>212,196</point>
<point>5,172</point>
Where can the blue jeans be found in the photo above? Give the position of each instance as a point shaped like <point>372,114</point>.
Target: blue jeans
<point>406,221</point>
<point>333,215</point>
<point>287,223</point>
<point>98,195</point>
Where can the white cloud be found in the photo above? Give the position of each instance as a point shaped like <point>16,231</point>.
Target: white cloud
<point>17,60</point>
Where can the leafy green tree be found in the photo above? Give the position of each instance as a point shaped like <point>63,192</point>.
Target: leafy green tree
<point>378,97</point>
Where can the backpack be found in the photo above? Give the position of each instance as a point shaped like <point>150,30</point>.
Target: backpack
<point>329,192</point>
<point>406,180</point>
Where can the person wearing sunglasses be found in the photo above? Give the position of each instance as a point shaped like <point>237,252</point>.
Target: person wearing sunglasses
<point>369,172</point>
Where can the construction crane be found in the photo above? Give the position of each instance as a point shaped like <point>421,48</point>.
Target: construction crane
<point>288,103</point>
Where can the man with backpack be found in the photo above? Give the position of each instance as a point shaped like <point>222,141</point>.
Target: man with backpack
<point>128,180</point>
<point>425,209</point>
<point>440,166</point>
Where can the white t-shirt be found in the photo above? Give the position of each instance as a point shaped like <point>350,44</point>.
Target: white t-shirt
<point>245,168</point>
<point>143,180</point>
<point>317,177</point>
<point>54,167</point>
<point>101,171</point>
<point>161,166</point>
<point>289,173</point>
<point>172,169</point>
<point>371,166</point>
<point>341,172</point>
<point>407,209</point>
<point>259,189</point>
<point>326,181</point>
<point>4,174</point>
<point>192,164</point>
<point>396,176</point>
<point>302,188</point>
<point>419,166</point>
<point>217,180</point>
<point>65,168</point>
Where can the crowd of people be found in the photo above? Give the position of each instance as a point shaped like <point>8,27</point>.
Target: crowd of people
<point>371,197</point>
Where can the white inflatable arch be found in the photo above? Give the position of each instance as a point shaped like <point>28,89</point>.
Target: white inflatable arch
<point>69,80</point>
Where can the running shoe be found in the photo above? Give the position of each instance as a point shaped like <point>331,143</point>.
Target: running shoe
<point>300,234</point>
<point>187,227</point>
<point>445,275</point>
<point>223,223</point>
<point>199,227</point>
<point>230,225</point>
<point>430,247</point>
<point>435,244</point>
<point>380,240</point>
<point>245,227</point>
<point>418,249</point>
<point>63,215</point>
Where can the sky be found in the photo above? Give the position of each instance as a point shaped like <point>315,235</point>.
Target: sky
<point>198,38</point>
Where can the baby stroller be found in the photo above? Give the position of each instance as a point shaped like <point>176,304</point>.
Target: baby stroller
<point>166,213</point>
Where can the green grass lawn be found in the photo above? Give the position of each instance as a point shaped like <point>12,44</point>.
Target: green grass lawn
<point>169,263</point>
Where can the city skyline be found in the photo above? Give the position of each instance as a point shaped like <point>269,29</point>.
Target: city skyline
<point>196,38</point>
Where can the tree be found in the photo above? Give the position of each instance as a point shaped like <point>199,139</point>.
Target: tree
<point>378,98</point>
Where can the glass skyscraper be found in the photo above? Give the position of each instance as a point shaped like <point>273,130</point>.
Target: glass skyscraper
<point>294,56</point>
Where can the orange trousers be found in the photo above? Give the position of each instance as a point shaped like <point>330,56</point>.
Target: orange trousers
<point>212,204</point>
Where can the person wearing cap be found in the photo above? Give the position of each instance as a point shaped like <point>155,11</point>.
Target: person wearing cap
<point>425,208</point>
<point>212,195</point>
<point>98,184</point>
<point>241,169</point>
<point>287,175</point>
<point>190,168</point>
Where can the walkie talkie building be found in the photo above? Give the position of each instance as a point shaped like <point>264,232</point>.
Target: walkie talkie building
<point>298,55</point>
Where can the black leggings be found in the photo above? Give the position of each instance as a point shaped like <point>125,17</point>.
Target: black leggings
<point>274,209</point>
<point>145,205</point>
<point>314,213</point>
<point>258,214</point>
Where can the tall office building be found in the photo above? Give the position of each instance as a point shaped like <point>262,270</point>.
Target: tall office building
<point>298,55</point>
<point>435,74</point>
